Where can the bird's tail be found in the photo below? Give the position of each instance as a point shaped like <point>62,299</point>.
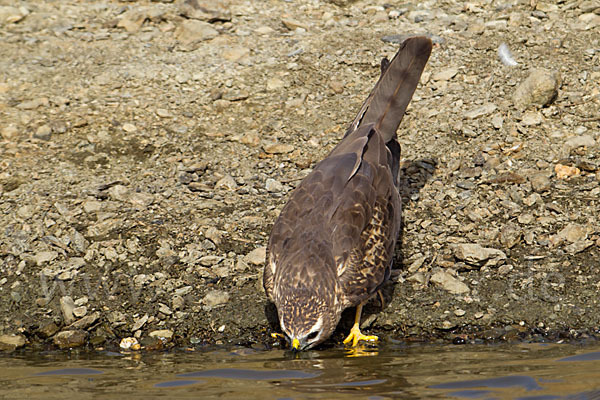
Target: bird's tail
<point>388,100</point>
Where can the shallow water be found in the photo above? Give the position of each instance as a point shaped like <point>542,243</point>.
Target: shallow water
<point>523,371</point>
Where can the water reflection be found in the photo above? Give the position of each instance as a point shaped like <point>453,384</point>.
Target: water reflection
<point>525,371</point>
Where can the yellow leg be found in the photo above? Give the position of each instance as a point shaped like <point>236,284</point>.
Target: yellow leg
<point>276,335</point>
<point>355,335</point>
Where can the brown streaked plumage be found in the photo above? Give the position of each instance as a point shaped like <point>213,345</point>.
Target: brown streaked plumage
<point>332,246</point>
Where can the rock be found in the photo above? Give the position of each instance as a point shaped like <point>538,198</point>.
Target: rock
<point>459,312</point>
<point>336,86</point>
<point>540,182</point>
<point>132,20</point>
<point>11,342</point>
<point>27,211</point>
<point>177,302</point>
<point>86,321</point>
<point>9,132</point>
<point>129,128</point>
<point>257,256</point>
<point>66,306</point>
<point>273,186</point>
<point>10,15</point>
<point>92,206</point>
<point>119,193</point>
<point>449,283</point>
<point>445,75</point>
<point>215,298</point>
<point>565,171</point>
<point>192,32</point>
<point>139,323</point>
<point>47,330</point>
<point>477,255</point>
<point>236,53</point>
<point>278,148</point>
<point>226,182</point>
<point>163,113</point>
<point>129,343</point>
<point>275,83</point>
<point>165,335</point>
<point>579,141</point>
<point>578,246</point>
<point>571,233</point>
<point>141,199</point>
<point>292,24</point>
<point>540,88</point>
<point>531,118</point>
<point>510,235</point>
<point>33,104</point>
<point>70,339</point>
<point>43,257</point>
<point>80,311</point>
<point>480,111</point>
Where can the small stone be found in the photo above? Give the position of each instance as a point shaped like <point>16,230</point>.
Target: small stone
<point>278,148</point>
<point>336,86</point>
<point>70,339</point>
<point>477,255</point>
<point>92,206</point>
<point>531,118</point>
<point>191,32</point>
<point>226,182</point>
<point>163,334</point>
<point>47,330</point>
<point>161,112</point>
<point>141,199</point>
<point>43,132</point>
<point>215,298</point>
<point>132,20</point>
<point>236,53</point>
<point>273,186</point>
<point>449,283</point>
<point>579,141</point>
<point>9,132</point>
<point>264,30</point>
<point>66,306</point>
<point>459,312</point>
<point>86,321</point>
<point>27,211</point>
<point>33,104</point>
<point>275,83</point>
<point>80,311</point>
<point>540,182</point>
<point>178,302</point>
<point>292,24</point>
<point>11,342</point>
<point>480,111</point>
<point>579,246</point>
<point>564,171</point>
<point>139,323</point>
<point>44,257</point>
<point>497,121</point>
<point>445,75</point>
<point>129,128</point>
<point>540,88</point>
<point>129,343</point>
<point>510,235</point>
<point>257,256</point>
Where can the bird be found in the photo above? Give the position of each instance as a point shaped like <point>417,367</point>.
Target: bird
<point>332,246</point>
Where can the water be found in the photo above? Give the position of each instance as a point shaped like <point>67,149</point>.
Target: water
<point>517,371</point>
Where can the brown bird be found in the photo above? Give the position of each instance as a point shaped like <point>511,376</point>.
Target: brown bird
<point>332,246</point>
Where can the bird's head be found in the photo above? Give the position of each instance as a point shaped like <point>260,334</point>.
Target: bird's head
<point>307,321</point>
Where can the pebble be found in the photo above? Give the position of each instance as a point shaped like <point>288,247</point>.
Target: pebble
<point>163,113</point>
<point>273,186</point>
<point>86,321</point>
<point>11,342</point>
<point>43,257</point>
<point>226,182</point>
<point>477,255</point>
<point>70,339</point>
<point>540,182</point>
<point>80,311</point>
<point>66,306</point>
<point>540,89</point>
<point>129,128</point>
<point>278,148</point>
<point>236,53</point>
<point>139,323</point>
<point>275,83</point>
<point>129,343</point>
<point>579,141</point>
<point>459,312</point>
<point>531,118</point>
<point>449,283</point>
<point>257,256</point>
<point>565,171</point>
<point>215,298</point>
<point>192,32</point>
<point>445,74</point>
<point>480,111</point>
<point>9,132</point>
<point>166,335</point>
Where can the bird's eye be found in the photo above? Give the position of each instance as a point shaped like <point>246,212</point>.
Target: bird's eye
<point>313,335</point>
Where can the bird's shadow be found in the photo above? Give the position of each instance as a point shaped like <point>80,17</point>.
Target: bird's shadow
<point>413,176</point>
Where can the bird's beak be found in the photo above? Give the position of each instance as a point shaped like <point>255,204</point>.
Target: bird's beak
<point>295,345</point>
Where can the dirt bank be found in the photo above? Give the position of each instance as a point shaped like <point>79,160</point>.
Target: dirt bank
<point>147,147</point>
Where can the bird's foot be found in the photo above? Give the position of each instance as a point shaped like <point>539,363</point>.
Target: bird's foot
<point>276,335</point>
<point>356,336</point>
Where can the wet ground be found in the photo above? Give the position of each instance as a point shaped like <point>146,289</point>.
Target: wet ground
<point>519,371</point>
<point>146,148</point>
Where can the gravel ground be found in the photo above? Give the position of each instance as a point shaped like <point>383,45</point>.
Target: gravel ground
<point>147,147</point>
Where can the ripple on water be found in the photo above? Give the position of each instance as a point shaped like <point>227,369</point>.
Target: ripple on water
<point>70,371</point>
<point>250,374</point>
